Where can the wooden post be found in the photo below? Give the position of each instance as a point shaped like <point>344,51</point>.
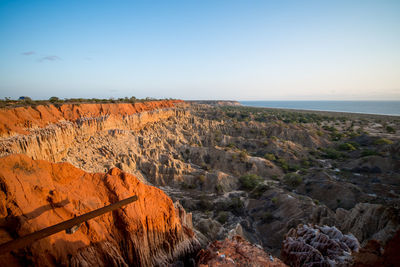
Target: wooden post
<point>30,238</point>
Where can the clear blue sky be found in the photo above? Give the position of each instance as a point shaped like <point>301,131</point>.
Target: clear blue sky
<point>217,49</point>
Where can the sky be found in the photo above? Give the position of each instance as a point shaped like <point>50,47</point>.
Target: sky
<point>201,49</point>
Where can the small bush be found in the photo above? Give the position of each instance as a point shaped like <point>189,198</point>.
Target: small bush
<point>236,206</point>
<point>259,190</point>
<point>336,136</point>
<point>274,138</point>
<point>383,141</point>
<point>250,181</point>
<point>231,146</point>
<point>368,152</point>
<point>201,178</point>
<point>205,204</point>
<point>331,153</point>
<point>219,189</point>
<point>270,156</point>
<point>347,147</point>
<point>283,164</point>
<point>274,200</point>
<point>292,179</point>
<point>54,99</point>
<point>390,129</point>
<point>222,217</point>
<point>243,155</point>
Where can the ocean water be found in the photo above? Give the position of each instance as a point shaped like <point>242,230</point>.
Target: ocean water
<point>367,107</point>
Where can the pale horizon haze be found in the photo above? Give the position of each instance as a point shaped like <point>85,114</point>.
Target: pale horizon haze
<point>233,50</point>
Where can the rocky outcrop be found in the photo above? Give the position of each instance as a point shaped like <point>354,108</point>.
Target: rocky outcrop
<point>369,221</point>
<point>236,251</point>
<point>309,245</point>
<point>36,194</point>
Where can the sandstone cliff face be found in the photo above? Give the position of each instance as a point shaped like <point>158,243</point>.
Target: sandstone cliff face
<point>47,132</point>
<point>22,119</point>
<point>36,194</point>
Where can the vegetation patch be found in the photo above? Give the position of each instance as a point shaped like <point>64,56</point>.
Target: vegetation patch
<point>383,141</point>
<point>249,182</point>
<point>292,179</point>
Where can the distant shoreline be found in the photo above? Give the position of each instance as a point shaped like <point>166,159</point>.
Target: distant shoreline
<point>334,113</point>
<point>323,111</point>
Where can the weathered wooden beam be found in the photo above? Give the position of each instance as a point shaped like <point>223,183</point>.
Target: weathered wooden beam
<point>29,239</point>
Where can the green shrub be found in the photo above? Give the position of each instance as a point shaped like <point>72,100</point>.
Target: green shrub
<point>270,156</point>
<point>222,217</point>
<point>236,206</point>
<point>205,204</point>
<point>259,190</point>
<point>219,189</point>
<point>54,99</point>
<point>369,152</point>
<point>274,200</point>
<point>331,153</point>
<point>294,167</point>
<point>201,178</point>
<point>275,177</point>
<point>231,146</point>
<point>336,136</point>
<point>390,129</point>
<point>347,147</point>
<point>250,181</point>
<point>383,141</point>
<point>243,155</point>
<point>292,179</point>
<point>283,164</point>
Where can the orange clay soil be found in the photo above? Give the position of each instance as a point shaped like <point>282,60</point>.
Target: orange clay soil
<point>18,120</point>
<point>235,252</point>
<point>36,194</point>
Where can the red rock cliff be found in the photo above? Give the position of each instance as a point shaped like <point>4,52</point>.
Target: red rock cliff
<point>21,119</point>
<point>47,132</point>
<point>36,194</point>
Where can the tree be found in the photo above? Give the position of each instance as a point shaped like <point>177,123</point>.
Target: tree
<point>54,99</point>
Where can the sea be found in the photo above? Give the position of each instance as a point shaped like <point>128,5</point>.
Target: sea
<point>365,107</point>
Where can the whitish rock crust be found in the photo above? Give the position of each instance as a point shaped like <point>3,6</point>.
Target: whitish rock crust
<point>309,245</point>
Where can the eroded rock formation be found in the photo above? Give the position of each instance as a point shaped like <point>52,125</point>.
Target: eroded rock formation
<point>36,194</point>
<point>309,245</point>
